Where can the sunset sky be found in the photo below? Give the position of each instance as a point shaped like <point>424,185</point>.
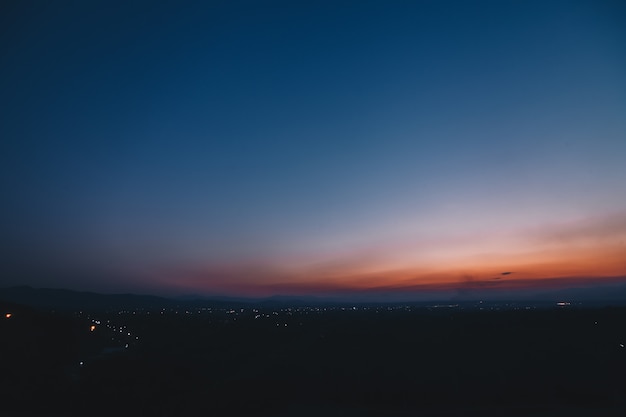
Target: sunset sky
<point>312,148</point>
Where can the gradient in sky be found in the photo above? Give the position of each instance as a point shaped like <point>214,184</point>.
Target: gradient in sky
<point>259,148</point>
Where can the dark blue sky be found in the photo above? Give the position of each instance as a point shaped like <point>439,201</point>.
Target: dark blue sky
<point>248,147</point>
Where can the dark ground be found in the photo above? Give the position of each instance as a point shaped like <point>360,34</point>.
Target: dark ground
<point>375,362</point>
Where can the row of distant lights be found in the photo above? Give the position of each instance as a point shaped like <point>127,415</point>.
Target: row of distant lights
<point>122,329</point>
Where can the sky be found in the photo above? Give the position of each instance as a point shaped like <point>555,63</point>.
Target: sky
<point>312,148</point>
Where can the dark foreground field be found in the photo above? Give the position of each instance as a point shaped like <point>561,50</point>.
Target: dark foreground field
<point>311,362</point>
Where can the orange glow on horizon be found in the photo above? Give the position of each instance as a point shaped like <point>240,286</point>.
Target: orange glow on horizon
<point>587,251</point>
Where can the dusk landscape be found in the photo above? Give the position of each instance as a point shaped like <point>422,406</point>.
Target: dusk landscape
<point>313,208</point>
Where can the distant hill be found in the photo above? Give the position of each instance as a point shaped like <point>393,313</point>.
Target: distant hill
<point>61,299</point>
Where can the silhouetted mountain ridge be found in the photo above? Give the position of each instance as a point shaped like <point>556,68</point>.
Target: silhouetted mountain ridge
<point>65,299</point>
